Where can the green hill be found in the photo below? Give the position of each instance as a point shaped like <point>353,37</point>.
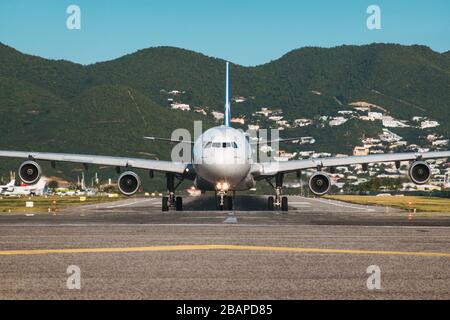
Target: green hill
<point>107,107</point>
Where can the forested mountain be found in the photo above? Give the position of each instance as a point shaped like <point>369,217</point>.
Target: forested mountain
<point>107,107</point>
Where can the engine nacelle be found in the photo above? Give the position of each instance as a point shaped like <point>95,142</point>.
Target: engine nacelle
<point>419,172</point>
<point>129,183</point>
<point>319,183</point>
<point>30,172</point>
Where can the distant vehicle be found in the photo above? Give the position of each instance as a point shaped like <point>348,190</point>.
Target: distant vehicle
<point>26,190</point>
<point>223,161</point>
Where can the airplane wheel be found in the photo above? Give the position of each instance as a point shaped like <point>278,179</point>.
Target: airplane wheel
<point>218,203</point>
<point>165,203</point>
<point>179,204</point>
<point>284,204</point>
<point>229,203</point>
<point>270,204</point>
<point>219,206</point>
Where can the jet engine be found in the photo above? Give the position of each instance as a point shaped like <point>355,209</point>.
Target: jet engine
<point>30,172</point>
<point>420,172</point>
<point>129,183</point>
<point>319,183</point>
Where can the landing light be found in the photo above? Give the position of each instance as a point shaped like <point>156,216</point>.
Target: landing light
<point>222,186</point>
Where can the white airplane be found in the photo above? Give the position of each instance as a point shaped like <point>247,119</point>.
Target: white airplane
<point>223,162</point>
<point>7,187</point>
<point>34,189</point>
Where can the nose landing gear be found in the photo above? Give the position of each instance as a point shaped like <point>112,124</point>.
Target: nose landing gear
<point>224,201</point>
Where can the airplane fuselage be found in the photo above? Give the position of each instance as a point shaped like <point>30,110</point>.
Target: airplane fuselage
<point>223,155</point>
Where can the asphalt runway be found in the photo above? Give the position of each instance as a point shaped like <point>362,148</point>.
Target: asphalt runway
<point>129,249</point>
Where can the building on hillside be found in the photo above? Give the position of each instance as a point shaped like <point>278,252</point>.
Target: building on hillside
<point>375,115</point>
<point>361,151</point>
<point>264,111</point>
<point>180,106</point>
<point>307,140</point>
<point>217,115</point>
<point>283,123</point>
<point>275,118</point>
<point>238,120</point>
<point>239,99</point>
<point>302,122</point>
<point>389,136</point>
<point>346,112</point>
<point>429,124</point>
<point>440,143</point>
<point>200,110</point>
<point>337,121</point>
<point>390,122</point>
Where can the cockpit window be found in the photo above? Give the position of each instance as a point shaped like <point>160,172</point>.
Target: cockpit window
<point>222,145</point>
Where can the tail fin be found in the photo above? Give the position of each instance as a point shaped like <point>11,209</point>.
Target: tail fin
<point>227,114</point>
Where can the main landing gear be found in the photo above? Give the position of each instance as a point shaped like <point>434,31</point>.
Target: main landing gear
<point>172,202</point>
<point>278,202</point>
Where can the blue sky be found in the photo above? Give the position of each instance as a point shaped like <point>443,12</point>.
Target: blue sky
<point>248,32</point>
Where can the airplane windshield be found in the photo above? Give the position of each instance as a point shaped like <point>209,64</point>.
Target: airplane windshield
<point>223,145</point>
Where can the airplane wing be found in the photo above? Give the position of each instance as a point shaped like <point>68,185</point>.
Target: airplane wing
<point>157,165</point>
<point>264,142</point>
<point>272,168</point>
<point>169,140</point>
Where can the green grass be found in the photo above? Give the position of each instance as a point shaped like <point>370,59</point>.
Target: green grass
<point>43,204</point>
<point>421,204</point>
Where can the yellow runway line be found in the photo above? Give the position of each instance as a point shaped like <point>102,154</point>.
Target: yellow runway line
<point>220,247</point>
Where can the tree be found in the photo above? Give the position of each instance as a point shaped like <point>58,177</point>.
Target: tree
<point>53,184</point>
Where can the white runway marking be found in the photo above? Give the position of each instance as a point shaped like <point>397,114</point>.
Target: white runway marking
<point>129,204</point>
<point>301,203</point>
<point>334,203</point>
<point>230,220</point>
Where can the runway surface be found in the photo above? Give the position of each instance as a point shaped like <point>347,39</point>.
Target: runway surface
<point>129,249</point>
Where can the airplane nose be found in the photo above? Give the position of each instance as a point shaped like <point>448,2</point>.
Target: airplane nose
<point>232,174</point>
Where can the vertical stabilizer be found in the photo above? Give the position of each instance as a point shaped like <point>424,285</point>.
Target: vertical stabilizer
<point>227,113</point>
